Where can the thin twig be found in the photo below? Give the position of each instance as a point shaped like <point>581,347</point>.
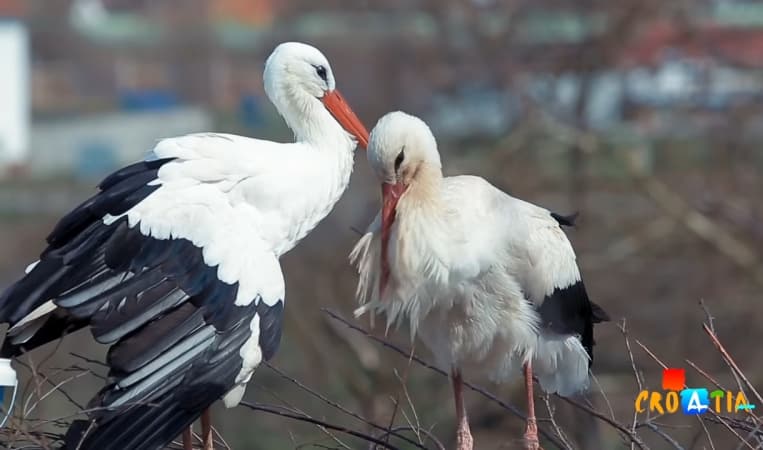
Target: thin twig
<point>296,410</point>
<point>510,408</point>
<point>708,315</point>
<point>89,360</point>
<point>664,435</point>
<point>730,361</point>
<point>713,413</point>
<point>56,388</point>
<point>705,374</point>
<point>737,251</point>
<point>357,230</point>
<point>303,418</point>
<point>221,438</point>
<point>426,432</point>
<point>396,400</point>
<point>331,403</point>
<point>556,426</point>
<point>707,434</point>
<point>624,330</point>
<point>52,383</point>
<point>630,434</point>
<point>417,427</point>
<point>604,395</point>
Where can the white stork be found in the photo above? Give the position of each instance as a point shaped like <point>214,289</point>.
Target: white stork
<point>487,281</point>
<point>174,263</point>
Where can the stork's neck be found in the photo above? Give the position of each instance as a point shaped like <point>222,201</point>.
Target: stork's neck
<point>317,129</point>
<point>422,225</point>
<point>311,122</point>
<point>424,193</point>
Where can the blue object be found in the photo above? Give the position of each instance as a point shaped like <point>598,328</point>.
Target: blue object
<point>94,160</point>
<point>148,100</point>
<point>251,111</point>
<point>694,401</point>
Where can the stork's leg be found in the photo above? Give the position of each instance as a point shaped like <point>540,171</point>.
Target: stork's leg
<point>188,438</point>
<point>531,432</point>
<point>206,430</point>
<point>464,439</point>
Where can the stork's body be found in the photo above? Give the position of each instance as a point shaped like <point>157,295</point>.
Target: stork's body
<point>487,281</point>
<point>174,263</point>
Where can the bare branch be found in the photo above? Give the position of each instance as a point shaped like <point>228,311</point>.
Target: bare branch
<point>730,361</point>
<point>303,418</point>
<point>333,404</point>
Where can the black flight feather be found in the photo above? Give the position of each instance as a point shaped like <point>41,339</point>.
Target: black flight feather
<point>567,221</point>
<point>569,311</point>
<point>175,330</point>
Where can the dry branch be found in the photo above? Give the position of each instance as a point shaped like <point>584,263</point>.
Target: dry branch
<point>333,404</point>
<point>304,418</point>
<point>733,248</point>
<point>510,408</point>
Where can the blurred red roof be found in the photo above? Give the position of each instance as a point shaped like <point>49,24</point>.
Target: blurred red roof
<point>12,8</point>
<point>246,11</point>
<point>732,45</point>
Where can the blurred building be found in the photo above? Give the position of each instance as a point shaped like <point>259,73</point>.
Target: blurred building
<point>464,66</point>
<point>14,91</point>
<point>87,147</point>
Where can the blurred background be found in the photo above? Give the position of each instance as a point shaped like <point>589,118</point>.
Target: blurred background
<point>645,116</point>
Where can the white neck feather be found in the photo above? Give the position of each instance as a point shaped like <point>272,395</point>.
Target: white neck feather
<point>309,119</point>
<point>420,255</point>
<point>317,129</point>
<point>422,226</point>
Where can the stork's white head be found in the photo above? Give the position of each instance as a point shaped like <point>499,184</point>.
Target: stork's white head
<point>294,65</point>
<point>403,154</point>
<point>400,145</point>
<point>299,81</point>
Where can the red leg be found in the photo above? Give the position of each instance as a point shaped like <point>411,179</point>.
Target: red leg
<point>464,440</point>
<point>531,432</point>
<point>188,438</point>
<point>206,430</point>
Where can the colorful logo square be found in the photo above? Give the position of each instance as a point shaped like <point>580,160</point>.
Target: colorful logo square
<point>694,401</point>
<point>673,379</point>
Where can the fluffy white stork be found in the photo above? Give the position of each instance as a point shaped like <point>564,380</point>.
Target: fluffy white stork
<point>174,263</point>
<point>487,281</point>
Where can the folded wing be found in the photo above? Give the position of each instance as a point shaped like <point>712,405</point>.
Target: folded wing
<point>167,267</point>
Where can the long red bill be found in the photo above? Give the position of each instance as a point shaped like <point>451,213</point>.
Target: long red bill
<point>338,107</point>
<point>391,194</point>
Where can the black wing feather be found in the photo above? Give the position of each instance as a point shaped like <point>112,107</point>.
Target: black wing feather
<point>118,192</point>
<point>112,324</point>
<point>270,328</point>
<point>144,345</point>
<point>569,311</point>
<point>78,235</point>
<point>176,401</point>
<point>567,221</point>
<point>131,170</point>
<point>175,328</point>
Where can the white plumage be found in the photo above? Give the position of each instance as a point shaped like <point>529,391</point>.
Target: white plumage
<point>487,281</point>
<point>175,261</point>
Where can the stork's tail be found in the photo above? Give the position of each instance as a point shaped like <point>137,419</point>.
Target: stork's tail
<point>561,364</point>
<point>562,361</point>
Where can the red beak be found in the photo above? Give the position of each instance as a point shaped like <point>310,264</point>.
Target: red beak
<point>391,193</point>
<point>334,102</point>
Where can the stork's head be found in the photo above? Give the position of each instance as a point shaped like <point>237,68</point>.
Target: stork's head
<point>297,76</point>
<point>403,154</point>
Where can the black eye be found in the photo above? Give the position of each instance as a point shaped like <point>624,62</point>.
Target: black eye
<point>399,159</point>
<point>321,71</point>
